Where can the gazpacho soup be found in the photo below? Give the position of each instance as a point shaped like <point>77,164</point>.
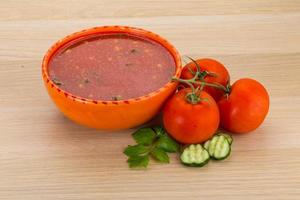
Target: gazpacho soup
<point>112,66</point>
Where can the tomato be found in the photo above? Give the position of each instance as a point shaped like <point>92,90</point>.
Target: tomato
<point>212,66</point>
<point>191,123</point>
<point>245,108</point>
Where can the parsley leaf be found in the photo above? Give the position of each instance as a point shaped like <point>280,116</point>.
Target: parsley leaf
<point>135,150</point>
<point>167,144</point>
<point>138,161</point>
<point>160,155</point>
<point>153,142</point>
<point>144,136</point>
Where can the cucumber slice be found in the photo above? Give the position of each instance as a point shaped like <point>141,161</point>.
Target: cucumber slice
<point>219,147</point>
<point>206,144</point>
<point>195,156</point>
<point>228,137</point>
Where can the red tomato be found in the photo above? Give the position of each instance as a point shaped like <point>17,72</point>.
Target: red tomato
<point>245,108</point>
<point>212,66</point>
<point>191,123</point>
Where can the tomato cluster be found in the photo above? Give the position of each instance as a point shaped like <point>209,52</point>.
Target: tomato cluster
<point>208,102</point>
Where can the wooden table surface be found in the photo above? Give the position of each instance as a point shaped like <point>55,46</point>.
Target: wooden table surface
<point>45,156</point>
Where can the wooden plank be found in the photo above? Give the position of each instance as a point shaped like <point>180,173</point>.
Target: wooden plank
<point>82,9</point>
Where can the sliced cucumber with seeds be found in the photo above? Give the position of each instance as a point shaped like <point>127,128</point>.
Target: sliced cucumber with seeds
<point>219,147</point>
<point>206,144</point>
<point>228,137</point>
<point>195,155</point>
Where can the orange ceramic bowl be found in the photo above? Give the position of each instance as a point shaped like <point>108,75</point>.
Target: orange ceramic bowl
<point>110,115</point>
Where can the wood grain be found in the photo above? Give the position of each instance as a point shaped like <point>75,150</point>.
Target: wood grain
<point>45,156</point>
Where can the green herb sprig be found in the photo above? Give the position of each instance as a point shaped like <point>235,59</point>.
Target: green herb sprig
<point>151,142</point>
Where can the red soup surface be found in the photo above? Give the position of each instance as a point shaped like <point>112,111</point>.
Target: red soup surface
<point>111,67</point>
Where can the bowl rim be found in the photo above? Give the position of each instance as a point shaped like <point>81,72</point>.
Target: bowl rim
<point>113,29</point>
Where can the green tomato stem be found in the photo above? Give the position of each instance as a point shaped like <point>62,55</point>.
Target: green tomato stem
<point>201,83</point>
